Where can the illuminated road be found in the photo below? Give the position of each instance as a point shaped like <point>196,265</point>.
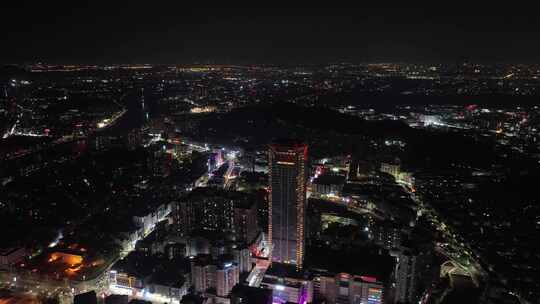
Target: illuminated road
<point>109,122</point>
<point>349,203</point>
<point>229,178</point>
<point>454,246</point>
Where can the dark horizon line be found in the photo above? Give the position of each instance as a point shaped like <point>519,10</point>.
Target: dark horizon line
<point>269,63</point>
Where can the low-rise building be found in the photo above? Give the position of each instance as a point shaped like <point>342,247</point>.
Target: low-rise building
<point>347,288</point>
<point>328,184</point>
<point>288,285</point>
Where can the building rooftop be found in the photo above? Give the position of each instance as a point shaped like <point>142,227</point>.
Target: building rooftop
<point>359,262</point>
<point>330,179</point>
<point>166,277</point>
<point>288,143</point>
<point>249,294</point>
<point>285,271</point>
<point>222,261</point>
<point>241,199</point>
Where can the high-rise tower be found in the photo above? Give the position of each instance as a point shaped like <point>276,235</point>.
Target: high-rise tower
<point>287,201</point>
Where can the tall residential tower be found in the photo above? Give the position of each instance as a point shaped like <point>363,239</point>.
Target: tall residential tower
<point>287,202</point>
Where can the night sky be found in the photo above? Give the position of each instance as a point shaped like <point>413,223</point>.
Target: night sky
<point>159,32</point>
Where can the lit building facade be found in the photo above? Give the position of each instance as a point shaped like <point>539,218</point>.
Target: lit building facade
<point>221,275</point>
<point>346,288</point>
<point>212,213</point>
<point>203,275</point>
<point>217,210</point>
<point>289,289</point>
<point>227,276</point>
<point>287,202</point>
<point>242,257</point>
<point>245,225</point>
<point>406,277</point>
<point>402,177</point>
<point>387,235</point>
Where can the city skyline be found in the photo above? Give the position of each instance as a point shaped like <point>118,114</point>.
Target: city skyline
<point>157,182</point>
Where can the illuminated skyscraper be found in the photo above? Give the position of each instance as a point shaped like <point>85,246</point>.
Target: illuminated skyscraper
<point>287,202</point>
